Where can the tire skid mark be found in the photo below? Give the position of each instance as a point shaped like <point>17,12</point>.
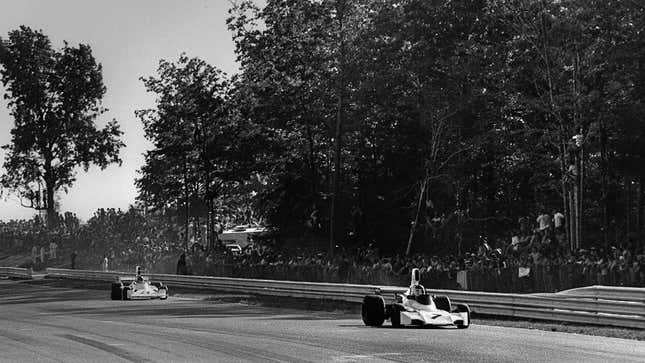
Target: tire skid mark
<point>282,337</point>
<point>20,338</point>
<point>290,339</point>
<point>129,356</point>
<point>26,343</point>
<point>86,332</point>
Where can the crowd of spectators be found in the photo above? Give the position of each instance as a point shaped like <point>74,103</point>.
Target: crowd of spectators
<point>531,260</point>
<point>534,258</point>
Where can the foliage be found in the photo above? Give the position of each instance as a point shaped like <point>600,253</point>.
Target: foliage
<point>460,115</point>
<point>201,147</point>
<point>409,123</point>
<point>54,97</point>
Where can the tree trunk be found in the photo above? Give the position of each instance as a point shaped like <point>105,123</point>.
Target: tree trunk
<point>311,154</point>
<point>641,205</point>
<point>210,241</point>
<point>186,207</point>
<point>336,183</point>
<point>413,228</point>
<point>51,207</point>
<point>572,219</point>
<point>340,9</point>
<point>603,185</point>
<point>581,176</point>
<point>50,188</point>
<point>565,194</point>
<point>628,207</point>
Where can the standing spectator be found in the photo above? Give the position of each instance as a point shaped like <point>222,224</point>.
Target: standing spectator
<point>524,274</point>
<point>105,264</point>
<point>524,225</point>
<point>544,221</point>
<point>181,265</point>
<point>42,254</point>
<point>558,221</point>
<point>52,249</point>
<point>34,253</point>
<point>73,260</point>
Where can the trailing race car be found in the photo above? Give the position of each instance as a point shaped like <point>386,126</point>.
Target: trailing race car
<point>138,288</point>
<point>415,307</point>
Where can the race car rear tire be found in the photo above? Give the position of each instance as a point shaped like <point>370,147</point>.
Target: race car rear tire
<point>158,285</point>
<point>373,310</point>
<point>116,293</point>
<point>395,314</point>
<point>125,293</point>
<point>463,308</point>
<point>442,302</point>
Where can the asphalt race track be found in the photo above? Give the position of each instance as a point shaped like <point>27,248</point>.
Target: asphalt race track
<point>44,323</point>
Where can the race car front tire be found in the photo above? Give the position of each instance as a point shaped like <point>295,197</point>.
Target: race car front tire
<point>165,296</point>
<point>125,295</point>
<point>116,293</point>
<point>442,302</point>
<point>373,310</point>
<point>463,308</point>
<point>395,314</point>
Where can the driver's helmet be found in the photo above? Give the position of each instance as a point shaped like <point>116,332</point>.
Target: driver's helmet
<point>418,290</point>
<point>139,278</point>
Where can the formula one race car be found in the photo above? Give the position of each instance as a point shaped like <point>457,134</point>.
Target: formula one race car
<point>415,307</point>
<point>138,288</point>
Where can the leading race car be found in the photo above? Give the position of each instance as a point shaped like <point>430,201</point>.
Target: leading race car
<point>414,307</point>
<point>138,288</point>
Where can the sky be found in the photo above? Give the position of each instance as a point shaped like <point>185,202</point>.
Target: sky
<point>128,38</point>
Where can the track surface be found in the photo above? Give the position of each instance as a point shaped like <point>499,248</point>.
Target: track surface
<point>43,323</point>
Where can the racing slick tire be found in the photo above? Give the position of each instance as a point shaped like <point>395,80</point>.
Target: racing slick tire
<point>126,296</point>
<point>373,310</point>
<point>463,308</point>
<point>117,293</point>
<point>395,314</point>
<point>442,302</point>
<point>160,286</point>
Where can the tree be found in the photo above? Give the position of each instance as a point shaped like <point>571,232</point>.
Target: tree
<point>200,150</point>
<point>461,112</point>
<point>54,98</point>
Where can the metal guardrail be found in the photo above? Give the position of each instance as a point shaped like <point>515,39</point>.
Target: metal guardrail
<point>593,307</point>
<point>16,272</point>
<point>606,293</point>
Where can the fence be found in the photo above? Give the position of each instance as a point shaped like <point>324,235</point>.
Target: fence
<point>594,305</point>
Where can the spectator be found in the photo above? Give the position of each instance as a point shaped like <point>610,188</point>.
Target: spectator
<point>544,221</point>
<point>73,260</point>
<point>181,265</point>
<point>52,249</point>
<point>105,264</point>
<point>42,254</point>
<point>558,221</point>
